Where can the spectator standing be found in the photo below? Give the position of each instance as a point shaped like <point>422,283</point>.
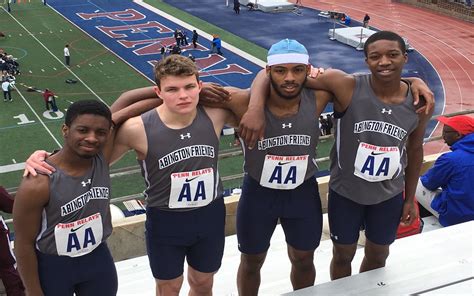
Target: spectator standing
<point>329,124</point>
<point>453,172</point>
<point>177,36</point>
<point>184,41</point>
<point>322,125</point>
<point>195,38</point>
<point>6,87</point>
<point>216,44</point>
<point>8,273</point>
<point>366,20</point>
<point>67,55</point>
<point>50,100</point>
<point>237,6</point>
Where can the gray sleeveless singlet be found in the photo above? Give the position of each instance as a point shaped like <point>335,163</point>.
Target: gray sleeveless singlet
<point>368,158</point>
<point>180,169</point>
<point>77,217</point>
<point>286,156</point>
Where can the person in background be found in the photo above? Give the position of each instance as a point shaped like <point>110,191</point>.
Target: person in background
<point>447,189</point>
<point>49,100</point>
<point>8,272</point>
<point>366,20</point>
<point>67,55</point>
<point>195,38</point>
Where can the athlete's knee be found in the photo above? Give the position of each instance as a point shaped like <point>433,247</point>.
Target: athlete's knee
<point>376,254</point>
<point>169,287</point>
<point>343,254</point>
<point>200,283</point>
<point>301,259</point>
<point>252,263</point>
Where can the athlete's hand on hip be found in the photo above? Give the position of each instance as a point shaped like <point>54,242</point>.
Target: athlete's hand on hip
<point>409,213</point>
<point>36,163</point>
<point>252,127</point>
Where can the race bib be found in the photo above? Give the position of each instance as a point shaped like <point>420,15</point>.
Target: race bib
<point>283,172</point>
<point>192,189</point>
<point>376,163</point>
<point>79,237</point>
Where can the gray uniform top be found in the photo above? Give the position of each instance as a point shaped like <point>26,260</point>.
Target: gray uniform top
<point>77,217</point>
<point>287,155</point>
<point>368,158</point>
<point>180,168</point>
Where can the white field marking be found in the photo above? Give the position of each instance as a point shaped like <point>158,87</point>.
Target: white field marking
<point>14,160</point>
<point>18,34</point>
<point>39,118</point>
<point>101,63</point>
<point>112,62</point>
<point>12,167</point>
<point>78,66</point>
<point>30,71</point>
<point>204,34</point>
<point>54,68</point>
<point>42,70</point>
<point>47,49</point>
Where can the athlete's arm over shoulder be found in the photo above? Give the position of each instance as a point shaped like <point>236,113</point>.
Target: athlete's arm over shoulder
<point>338,82</point>
<point>322,99</point>
<point>131,135</point>
<point>31,198</point>
<point>231,111</point>
<point>414,148</point>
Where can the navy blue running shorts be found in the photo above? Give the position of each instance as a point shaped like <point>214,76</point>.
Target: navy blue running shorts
<point>260,208</point>
<point>88,275</point>
<point>347,218</point>
<point>197,235</point>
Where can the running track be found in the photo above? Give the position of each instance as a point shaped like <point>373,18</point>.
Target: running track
<point>445,41</point>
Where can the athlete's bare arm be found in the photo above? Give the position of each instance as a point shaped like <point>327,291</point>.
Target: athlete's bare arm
<point>131,135</point>
<point>412,171</point>
<point>229,112</point>
<point>31,198</point>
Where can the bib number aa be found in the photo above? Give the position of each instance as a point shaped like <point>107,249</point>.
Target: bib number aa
<point>284,172</point>
<point>192,189</point>
<point>376,163</point>
<point>79,237</point>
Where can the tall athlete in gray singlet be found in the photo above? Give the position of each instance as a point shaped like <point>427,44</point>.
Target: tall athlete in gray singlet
<point>370,145</point>
<point>190,158</point>
<point>62,220</point>
<point>280,184</point>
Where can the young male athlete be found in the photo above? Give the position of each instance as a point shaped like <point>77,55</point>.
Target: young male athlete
<point>177,146</point>
<point>279,184</point>
<point>377,155</point>
<point>62,220</point>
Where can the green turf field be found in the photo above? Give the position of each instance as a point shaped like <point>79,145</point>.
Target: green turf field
<point>36,36</point>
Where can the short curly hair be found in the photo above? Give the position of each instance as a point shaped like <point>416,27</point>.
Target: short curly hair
<point>175,65</point>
